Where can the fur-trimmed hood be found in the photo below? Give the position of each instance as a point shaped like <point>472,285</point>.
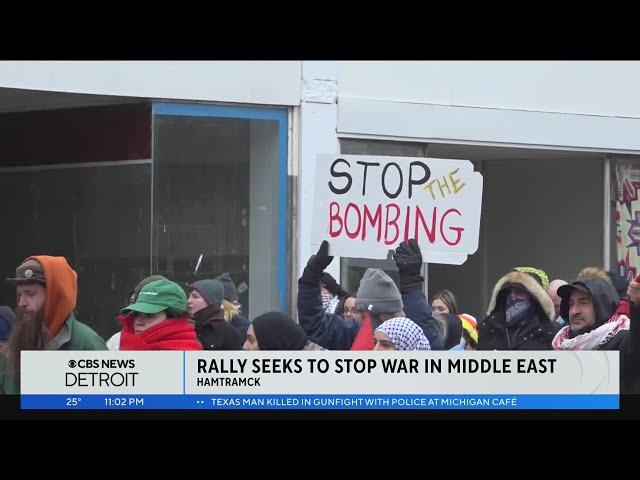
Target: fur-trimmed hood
<point>530,285</point>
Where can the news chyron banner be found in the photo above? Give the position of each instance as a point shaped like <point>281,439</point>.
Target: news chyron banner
<point>320,380</point>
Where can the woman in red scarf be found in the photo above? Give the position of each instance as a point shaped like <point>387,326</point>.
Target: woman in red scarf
<point>158,320</point>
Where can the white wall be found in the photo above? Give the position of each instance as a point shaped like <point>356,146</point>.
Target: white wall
<point>266,83</point>
<point>589,88</point>
<point>318,118</point>
<point>557,106</point>
<point>567,105</point>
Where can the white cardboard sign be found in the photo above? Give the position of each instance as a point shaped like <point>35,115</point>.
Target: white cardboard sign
<point>365,206</point>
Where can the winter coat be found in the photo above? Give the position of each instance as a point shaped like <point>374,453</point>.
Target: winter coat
<point>536,334</point>
<point>74,335</point>
<point>214,332</point>
<point>333,332</point>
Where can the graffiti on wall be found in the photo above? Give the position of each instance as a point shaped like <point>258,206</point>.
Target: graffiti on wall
<point>627,183</point>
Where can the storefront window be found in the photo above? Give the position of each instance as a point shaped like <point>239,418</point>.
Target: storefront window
<point>521,223</point>
<point>126,191</point>
<point>77,183</point>
<point>97,217</point>
<point>218,199</point>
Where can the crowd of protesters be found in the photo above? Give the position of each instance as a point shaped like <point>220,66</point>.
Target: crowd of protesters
<point>526,312</point>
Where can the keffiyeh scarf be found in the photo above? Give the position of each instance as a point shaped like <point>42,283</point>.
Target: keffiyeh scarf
<point>405,334</point>
<point>590,340</point>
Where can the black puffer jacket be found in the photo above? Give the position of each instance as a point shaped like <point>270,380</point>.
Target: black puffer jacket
<point>536,334</point>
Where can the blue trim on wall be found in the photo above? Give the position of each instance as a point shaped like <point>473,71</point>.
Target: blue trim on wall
<point>282,212</point>
<point>282,117</point>
<point>195,110</point>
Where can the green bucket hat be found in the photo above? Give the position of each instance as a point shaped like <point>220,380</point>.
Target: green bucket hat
<point>157,296</point>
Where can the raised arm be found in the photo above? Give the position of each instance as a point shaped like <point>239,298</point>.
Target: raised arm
<point>328,330</point>
<point>408,258</point>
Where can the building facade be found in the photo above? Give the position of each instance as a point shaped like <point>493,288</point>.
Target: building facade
<point>192,169</point>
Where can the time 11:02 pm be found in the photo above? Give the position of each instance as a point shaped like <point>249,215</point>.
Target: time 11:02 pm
<point>123,402</point>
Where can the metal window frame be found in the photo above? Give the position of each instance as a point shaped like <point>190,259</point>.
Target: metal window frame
<point>279,115</point>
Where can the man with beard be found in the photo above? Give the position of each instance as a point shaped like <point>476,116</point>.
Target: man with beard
<point>590,305</point>
<point>46,292</point>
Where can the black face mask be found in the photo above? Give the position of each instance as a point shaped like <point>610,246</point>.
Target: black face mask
<point>517,310</point>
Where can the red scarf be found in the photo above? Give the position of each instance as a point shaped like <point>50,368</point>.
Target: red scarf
<point>172,334</point>
<point>624,308</point>
<point>364,337</point>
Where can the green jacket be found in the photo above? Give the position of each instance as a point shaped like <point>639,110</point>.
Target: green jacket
<point>74,335</point>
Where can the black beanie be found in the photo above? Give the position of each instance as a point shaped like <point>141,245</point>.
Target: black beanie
<point>230,290</point>
<point>277,331</point>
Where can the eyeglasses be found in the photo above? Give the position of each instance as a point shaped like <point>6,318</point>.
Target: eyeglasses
<point>352,310</point>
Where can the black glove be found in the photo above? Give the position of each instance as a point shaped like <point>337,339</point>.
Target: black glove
<point>409,261</point>
<point>315,266</point>
<point>331,284</point>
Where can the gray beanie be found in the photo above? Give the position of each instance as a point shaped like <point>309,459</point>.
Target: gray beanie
<point>378,291</point>
<point>211,290</point>
<point>230,290</point>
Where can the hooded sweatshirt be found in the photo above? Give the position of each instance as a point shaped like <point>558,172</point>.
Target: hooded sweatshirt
<point>62,291</point>
<point>60,300</point>
<point>607,323</point>
<point>624,338</point>
<point>605,300</point>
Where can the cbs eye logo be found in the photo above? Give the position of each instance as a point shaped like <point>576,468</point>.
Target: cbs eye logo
<point>84,363</point>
